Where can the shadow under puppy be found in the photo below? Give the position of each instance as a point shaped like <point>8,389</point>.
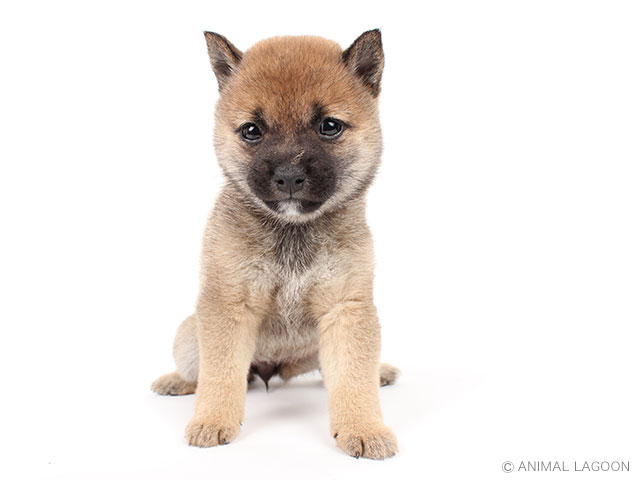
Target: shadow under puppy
<point>287,256</point>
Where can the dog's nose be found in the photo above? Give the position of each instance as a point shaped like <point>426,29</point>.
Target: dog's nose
<point>289,178</point>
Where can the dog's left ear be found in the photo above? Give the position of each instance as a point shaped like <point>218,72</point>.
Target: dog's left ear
<point>224,57</point>
<point>365,59</point>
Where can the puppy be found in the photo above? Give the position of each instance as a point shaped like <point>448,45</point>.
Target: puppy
<point>287,257</point>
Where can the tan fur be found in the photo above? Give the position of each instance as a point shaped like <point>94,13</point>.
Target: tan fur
<point>173,384</point>
<point>300,297</point>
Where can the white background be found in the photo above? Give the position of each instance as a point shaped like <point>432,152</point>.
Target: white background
<point>506,224</point>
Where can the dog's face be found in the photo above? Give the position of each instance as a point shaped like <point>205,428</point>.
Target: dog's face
<point>297,127</point>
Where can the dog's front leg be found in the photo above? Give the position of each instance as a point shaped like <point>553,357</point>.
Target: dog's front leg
<point>226,339</point>
<point>349,359</point>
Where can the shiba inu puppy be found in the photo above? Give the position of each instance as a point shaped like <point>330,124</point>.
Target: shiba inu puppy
<point>287,257</point>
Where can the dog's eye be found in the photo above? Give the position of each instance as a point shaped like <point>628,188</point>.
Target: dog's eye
<point>251,132</point>
<point>330,127</point>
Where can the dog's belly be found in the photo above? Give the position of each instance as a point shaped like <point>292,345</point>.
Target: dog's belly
<point>285,340</point>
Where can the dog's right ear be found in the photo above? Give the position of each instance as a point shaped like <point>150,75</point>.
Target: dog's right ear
<point>224,57</point>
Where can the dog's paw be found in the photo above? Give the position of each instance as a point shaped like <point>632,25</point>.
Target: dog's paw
<point>208,433</point>
<point>377,442</point>
<point>173,384</point>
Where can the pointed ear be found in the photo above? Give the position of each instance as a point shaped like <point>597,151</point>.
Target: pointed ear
<point>224,57</point>
<point>365,59</point>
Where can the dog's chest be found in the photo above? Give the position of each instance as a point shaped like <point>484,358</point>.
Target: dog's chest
<point>294,259</point>
<point>290,300</point>
<point>288,329</point>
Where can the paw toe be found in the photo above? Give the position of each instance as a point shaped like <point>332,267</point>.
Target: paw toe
<point>376,443</point>
<point>206,434</point>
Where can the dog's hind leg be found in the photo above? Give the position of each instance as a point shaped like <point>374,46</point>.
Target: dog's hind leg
<point>185,353</point>
<point>388,374</point>
<point>289,370</point>
<point>173,384</point>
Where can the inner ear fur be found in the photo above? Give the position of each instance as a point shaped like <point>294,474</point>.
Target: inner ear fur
<point>224,57</point>
<point>365,59</point>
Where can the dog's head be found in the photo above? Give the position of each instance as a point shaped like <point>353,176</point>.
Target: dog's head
<point>297,127</point>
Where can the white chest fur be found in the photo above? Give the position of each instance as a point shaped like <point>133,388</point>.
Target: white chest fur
<point>288,330</point>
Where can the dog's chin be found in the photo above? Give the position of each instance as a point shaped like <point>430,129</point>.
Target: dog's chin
<point>294,209</point>
<point>289,208</point>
